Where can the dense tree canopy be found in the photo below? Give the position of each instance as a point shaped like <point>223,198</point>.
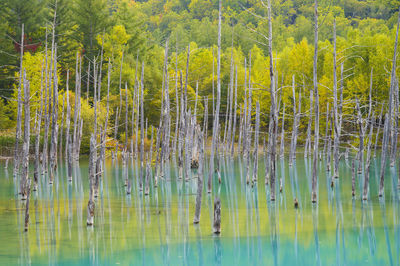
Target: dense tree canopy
<point>130,32</point>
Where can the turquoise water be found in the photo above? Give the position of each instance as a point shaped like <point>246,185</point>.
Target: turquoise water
<point>158,229</point>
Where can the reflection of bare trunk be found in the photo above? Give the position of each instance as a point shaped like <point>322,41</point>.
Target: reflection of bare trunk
<point>217,216</point>
<point>28,189</point>
<point>353,178</point>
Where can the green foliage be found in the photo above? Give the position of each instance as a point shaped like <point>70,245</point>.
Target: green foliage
<point>140,29</point>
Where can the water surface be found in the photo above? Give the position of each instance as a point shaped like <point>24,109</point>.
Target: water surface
<point>158,229</point>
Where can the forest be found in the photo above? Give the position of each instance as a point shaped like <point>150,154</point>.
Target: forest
<point>237,110</point>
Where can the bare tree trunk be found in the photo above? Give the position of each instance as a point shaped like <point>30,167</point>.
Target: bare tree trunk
<point>54,125</point>
<point>240,129</point>
<point>19,108</point>
<point>148,172</point>
<point>326,128</point>
<point>377,132</point>
<point>282,148</point>
<point>76,107</point>
<point>273,115</point>
<point>141,130</point>
<point>256,138</point>
<point>395,123</point>
<point>205,125</point>
<point>37,137</point>
<point>200,142</point>
<point>25,180</point>
<point>126,117</point>
<point>177,110</point>
<point>92,173</point>
<point>230,101</point>
<point>307,149</point>
<point>234,115</point>
<point>216,114</point>
<point>316,95</point>
<point>61,127</point>
<point>337,109</point>
<point>296,120</point>
<point>68,144</point>
<point>368,163</point>
<point>390,112</point>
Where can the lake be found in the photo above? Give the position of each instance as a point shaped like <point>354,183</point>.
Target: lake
<point>158,229</point>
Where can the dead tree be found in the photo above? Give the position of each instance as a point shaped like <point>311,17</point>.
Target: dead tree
<point>378,129</point>
<point>326,128</point>
<point>47,107</point>
<point>126,117</point>
<point>368,163</point>
<point>216,111</point>
<point>148,173</point>
<point>177,111</point>
<point>54,125</point>
<point>200,173</point>
<point>141,130</point>
<point>234,115</point>
<point>256,138</point>
<point>92,173</point>
<point>61,126</point>
<point>389,114</point>
<point>120,106</point>
<point>395,122</point>
<point>296,120</point>
<point>337,108</point>
<point>77,107</point>
<point>307,148</point>
<point>282,148</point>
<point>273,113</point>
<point>68,143</point>
<point>19,108</point>
<point>25,180</point>
<point>37,135</point>
<point>316,95</point>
